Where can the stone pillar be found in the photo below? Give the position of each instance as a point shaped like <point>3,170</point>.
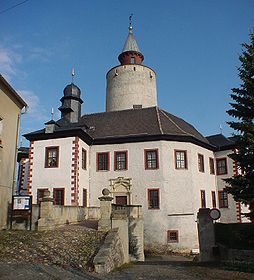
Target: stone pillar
<point>136,233</point>
<point>46,220</point>
<point>206,235</point>
<point>105,209</point>
<point>120,220</point>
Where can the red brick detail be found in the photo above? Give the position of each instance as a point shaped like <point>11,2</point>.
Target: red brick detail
<point>74,171</point>
<point>235,166</point>
<point>238,212</point>
<point>238,204</point>
<point>29,175</point>
<point>22,172</point>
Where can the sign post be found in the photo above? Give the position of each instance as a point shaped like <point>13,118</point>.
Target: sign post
<point>22,208</point>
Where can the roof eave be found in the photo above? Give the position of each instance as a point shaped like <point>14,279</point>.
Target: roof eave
<point>60,134</point>
<point>147,138</point>
<point>15,94</point>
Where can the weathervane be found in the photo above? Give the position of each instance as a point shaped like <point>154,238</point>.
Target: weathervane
<point>130,21</point>
<point>220,129</point>
<point>52,113</point>
<point>72,74</point>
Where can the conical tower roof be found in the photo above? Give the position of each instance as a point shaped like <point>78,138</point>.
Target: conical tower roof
<point>130,53</point>
<point>131,43</point>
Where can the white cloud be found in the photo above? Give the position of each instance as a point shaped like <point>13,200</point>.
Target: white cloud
<point>38,53</point>
<point>8,62</point>
<point>35,110</point>
<point>11,68</point>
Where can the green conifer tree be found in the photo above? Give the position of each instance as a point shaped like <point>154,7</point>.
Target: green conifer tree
<point>242,109</point>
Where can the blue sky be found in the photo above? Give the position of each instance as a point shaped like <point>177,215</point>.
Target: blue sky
<point>193,45</point>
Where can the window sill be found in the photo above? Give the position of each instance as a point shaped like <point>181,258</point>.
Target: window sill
<point>181,168</point>
<point>151,168</point>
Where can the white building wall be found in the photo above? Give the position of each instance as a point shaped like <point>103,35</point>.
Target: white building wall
<point>129,85</point>
<point>58,177</point>
<point>180,196</point>
<point>228,215</point>
<point>84,173</point>
<point>179,189</point>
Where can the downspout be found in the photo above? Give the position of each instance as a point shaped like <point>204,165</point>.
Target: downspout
<point>16,150</point>
<point>89,177</point>
<point>15,156</point>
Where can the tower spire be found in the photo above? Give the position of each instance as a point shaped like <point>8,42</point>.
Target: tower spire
<point>131,53</point>
<point>130,22</point>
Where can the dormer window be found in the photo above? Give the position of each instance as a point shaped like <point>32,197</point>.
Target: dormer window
<point>132,60</point>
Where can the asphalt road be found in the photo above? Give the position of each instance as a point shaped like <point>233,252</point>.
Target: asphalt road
<point>160,267</point>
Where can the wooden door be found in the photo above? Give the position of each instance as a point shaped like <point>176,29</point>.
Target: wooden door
<point>121,200</point>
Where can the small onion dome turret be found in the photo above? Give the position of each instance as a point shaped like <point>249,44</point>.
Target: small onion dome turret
<point>131,53</point>
<point>72,90</point>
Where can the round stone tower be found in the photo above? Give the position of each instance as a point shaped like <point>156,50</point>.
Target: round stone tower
<point>131,84</point>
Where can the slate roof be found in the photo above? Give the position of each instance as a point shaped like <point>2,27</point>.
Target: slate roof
<point>131,43</point>
<point>221,142</point>
<point>134,125</point>
<point>23,152</point>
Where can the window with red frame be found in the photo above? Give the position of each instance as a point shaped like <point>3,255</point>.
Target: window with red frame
<point>151,159</point>
<point>203,199</point>
<point>211,165</point>
<point>103,161</point>
<point>84,197</point>
<point>213,199</point>
<point>221,166</point>
<point>180,159</point>
<point>201,166</point>
<point>172,236</point>
<point>121,160</point>
<point>58,196</point>
<point>153,199</point>
<point>52,157</point>
<point>83,158</point>
<point>223,199</point>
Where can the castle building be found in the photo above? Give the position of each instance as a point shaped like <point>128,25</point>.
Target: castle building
<point>141,153</point>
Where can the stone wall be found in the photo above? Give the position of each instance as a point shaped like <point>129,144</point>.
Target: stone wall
<point>236,255</point>
<point>111,254</point>
<point>225,242</point>
<point>68,214</point>
<point>22,223</point>
<point>52,216</point>
<point>129,219</point>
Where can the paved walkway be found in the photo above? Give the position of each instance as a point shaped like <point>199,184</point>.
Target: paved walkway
<point>154,268</point>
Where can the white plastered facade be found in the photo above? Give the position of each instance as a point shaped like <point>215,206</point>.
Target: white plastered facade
<point>179,189</point>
